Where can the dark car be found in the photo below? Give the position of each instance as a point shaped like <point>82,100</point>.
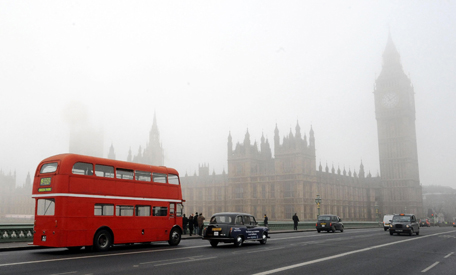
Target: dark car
<point>232,227</point>
<point>425,223</point>
<point>328,223</point>
<point>404,223</point>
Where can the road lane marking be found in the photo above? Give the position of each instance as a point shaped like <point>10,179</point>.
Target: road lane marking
<point>98,256</point>
<point>344,254</point>
<point>448,255</point>
<point>429,267</point>
<point>71,272</point>
<point>189,260</point>
<point>176,259</point>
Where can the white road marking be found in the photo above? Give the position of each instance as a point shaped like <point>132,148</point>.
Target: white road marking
<point>448,255</point>
<point>175,259</point>
<point>98,256</point>
<point>189,260</point>
<point>429,267</point>
<point>344,254</point>
<point>71,272</point>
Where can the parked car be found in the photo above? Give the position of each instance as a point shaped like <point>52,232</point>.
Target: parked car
<point>404,223</point>
<point>232,227</point>
<point>328,223</point>
<point>425,223</point>
<point>386,221</point>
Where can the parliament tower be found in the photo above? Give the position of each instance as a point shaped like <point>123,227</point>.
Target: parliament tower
<point>395,114</point>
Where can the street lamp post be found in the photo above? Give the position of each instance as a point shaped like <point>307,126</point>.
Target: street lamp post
<point>318,202</point>
<point>376,212</point>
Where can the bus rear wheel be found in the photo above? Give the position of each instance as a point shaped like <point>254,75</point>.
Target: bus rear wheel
<point>174,237</point>
<point>102,240</point>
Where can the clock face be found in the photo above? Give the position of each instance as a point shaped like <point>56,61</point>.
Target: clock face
<point>390,100</point>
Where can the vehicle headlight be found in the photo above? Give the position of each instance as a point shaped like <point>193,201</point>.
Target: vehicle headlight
<point>391,225</point>
<point>408,226</point>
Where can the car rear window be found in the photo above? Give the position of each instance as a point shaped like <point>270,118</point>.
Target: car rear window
<point>221,219</point>
<point>324,218</point>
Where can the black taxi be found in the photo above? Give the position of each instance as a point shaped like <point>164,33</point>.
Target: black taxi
<point>232,227</point>
<point>404,223</point>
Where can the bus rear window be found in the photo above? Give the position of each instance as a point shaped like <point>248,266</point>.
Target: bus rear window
<point>45,207</point>
<point>48,168</point>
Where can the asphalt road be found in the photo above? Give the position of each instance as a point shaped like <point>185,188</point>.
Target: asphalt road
<point>355,251</point>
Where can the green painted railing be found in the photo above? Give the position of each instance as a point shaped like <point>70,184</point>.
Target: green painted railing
<point>19,232</point>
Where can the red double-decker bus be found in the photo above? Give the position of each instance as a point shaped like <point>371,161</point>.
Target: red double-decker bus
<point>97,202</point>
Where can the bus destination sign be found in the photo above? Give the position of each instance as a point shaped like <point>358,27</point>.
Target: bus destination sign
<point>45,181</point>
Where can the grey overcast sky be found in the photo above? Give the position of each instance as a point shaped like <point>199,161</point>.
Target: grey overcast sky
<point>208,68</point>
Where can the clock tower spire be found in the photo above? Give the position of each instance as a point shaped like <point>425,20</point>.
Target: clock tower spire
<point>395,114</point>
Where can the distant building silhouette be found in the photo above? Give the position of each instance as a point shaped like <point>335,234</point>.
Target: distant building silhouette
<point>288,182</point>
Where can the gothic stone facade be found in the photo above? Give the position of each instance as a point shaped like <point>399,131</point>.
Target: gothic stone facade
<point>288,183</point>
<point>280,186</point>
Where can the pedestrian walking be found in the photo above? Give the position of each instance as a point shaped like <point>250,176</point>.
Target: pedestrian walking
<point>265,220</point>
<point>184,224</point>
<point>201,219</point>
<point>190,224</point>
<point>295,221</point>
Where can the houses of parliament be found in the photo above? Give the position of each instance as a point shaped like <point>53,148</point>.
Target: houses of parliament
<point>288,179</point>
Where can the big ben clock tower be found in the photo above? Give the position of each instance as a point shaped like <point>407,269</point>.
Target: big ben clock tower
<point>395,114</point>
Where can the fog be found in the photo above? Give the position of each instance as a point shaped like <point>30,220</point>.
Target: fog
<point>210,68</point>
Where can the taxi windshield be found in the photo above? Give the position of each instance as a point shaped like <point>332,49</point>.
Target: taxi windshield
<point>401,218</point>
<point>221,219</point>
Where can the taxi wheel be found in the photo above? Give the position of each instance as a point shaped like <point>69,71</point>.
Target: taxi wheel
<point>264,240</point>
<point>391,233</point>
<point>411,232</point>
<point>385,228</point>
<point>333,229</point>
<point>342,229</point>
<point>318,231</point>
<point>417,233</point>
<point>238,241</point>
<point>214,243</point>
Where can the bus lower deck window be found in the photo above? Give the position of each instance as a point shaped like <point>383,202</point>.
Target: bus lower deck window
<point>45,207</point>
<point>104,210</point>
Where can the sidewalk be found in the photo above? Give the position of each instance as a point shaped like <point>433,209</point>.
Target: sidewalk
<point>16,246</point>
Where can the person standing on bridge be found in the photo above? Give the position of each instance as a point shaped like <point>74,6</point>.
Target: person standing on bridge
<point>201,219</point>
<point>190,224</point>
<point>295,222</point>
<point>265,220</point>
<point>184,224</point>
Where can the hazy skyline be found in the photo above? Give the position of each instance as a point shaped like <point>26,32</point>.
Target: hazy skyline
<point>208,68</point>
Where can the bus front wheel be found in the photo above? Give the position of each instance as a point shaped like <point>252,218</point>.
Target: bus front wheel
<point>102,240</point>
<point>174,237</point>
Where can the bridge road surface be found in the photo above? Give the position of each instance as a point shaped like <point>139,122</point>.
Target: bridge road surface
<point>355,251</point>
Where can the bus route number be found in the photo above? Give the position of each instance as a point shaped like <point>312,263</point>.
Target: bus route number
<point>45,181</point>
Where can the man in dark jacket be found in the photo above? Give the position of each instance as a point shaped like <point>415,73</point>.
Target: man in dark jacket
<point>295,221</point>
<point>184,224</point>
<point>195,223</point>
<point>190,224</point>
<point>265,220</point>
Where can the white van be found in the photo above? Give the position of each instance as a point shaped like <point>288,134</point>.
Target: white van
<point>386,221</point>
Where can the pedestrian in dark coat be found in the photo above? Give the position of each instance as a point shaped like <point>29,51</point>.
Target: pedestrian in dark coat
<point>265,220</point>
<point>195,223</point>
<point>295,221</point>
<point>184,224</point>
<point>190,224</point>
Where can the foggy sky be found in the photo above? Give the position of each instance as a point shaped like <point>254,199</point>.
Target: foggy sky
<point>208,68</point>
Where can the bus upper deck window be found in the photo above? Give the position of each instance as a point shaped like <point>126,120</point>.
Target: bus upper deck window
<point>81,168</point>
<point>48,168</point>
<point>173,179</point>
<point>159,177</point>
